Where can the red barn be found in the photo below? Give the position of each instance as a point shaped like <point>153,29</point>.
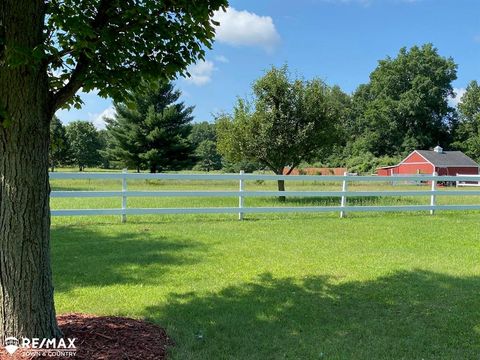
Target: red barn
<point>428,161</point>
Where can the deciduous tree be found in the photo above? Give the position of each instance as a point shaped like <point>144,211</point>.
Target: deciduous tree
<point>204,138</point>
<point>467,136</point>
<point>208,157</point>
<point>59,146</point>
<point>405,104</point>
<point>202,131</point>
<point>48,51</point>
<point>84,143</point>
<point>289,121</point>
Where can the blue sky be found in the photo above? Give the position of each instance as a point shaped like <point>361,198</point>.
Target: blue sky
<point>339,41</point>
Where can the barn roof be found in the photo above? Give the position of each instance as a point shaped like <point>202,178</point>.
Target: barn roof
<point>447,158</point>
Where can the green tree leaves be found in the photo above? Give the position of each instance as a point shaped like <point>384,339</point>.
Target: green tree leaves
<point>290,120</point>
<point>110,45</point>
<point>467,136</point>
<point>405,104</point>
<point>204,138</point>
<point>207,156</point>
<point>59,145</point>
<point>84,144</point>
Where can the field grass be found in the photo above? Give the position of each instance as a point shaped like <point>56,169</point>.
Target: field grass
<point>277,286</point>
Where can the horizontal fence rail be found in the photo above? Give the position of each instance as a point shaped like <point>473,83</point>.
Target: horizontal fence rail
<point>344,194</point>
<point>253,177</point>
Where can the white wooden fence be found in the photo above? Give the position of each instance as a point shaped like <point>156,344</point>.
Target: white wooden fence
<point>343,208</point>
<point>472,182</point>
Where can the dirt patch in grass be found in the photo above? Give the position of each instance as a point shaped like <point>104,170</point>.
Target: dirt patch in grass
<point>105,338</point>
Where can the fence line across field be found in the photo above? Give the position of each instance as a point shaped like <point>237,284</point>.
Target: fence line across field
<point>470,182</point>
<point>242,178</point>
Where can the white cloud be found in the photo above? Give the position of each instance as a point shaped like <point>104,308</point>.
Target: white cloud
<point>200,72</point>
<point>222,59</point>
<point>459,92</point>
<point>98,118</point>
<point>243,28</point>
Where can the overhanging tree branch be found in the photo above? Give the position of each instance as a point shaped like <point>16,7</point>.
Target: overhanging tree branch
<point>291,168</point>
<point>76,79</point>
<point>73,85</point>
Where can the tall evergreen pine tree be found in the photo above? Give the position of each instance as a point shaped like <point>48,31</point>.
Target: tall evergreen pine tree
<point>150,132</point>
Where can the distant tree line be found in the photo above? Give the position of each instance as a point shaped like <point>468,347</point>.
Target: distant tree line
<point>288,122</point>
<point>151,130</point>
<point>406,105</point>
<point>76,144</point>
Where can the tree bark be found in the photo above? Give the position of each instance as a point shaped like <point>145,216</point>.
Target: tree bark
<point>26,290</point>
<point>281,187</point>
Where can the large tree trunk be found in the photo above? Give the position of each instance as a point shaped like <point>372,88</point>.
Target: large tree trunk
<point>281,187</point>
<point>26,290</point>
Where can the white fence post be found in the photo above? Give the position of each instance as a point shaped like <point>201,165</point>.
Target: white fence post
<point>124,197</point>
<point>432,197</point>
<point>343,202</point>
<point>240,197</point>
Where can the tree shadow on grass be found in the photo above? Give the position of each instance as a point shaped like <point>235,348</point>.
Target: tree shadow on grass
<point>407,315</point>
<point>83,257</point>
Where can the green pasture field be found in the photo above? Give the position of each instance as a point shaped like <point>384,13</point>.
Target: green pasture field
<point>277,286</point>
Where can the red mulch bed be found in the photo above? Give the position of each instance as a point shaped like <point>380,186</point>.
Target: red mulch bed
<point>108,337</point>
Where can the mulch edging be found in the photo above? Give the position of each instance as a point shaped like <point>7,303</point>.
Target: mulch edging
<point>108,337</point>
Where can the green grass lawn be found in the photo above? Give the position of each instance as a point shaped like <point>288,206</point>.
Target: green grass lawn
<point>277,286</point>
